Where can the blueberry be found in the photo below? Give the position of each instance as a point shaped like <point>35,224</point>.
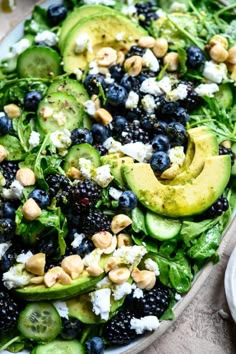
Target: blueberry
<point>7,228</point>
<point>81,135</point>
<point>116,72</point>
<point>41,197</point>
<point>159,161</point>
<point>160,143</point>
<point>71,328</point>
<point>100,133</point>
<point>116,95</point>
<point>5,124</point>
<point>92,83</point>
<point>130,83</point>
<point>134,114</point>
<point>160,127</point>
<point>8,211</point>
<point>177,134</point>
<point>181,115</point>
<point>48,245</point>
<point>94,345</point>
<point>56,14</point>
<point>85,247</point>
<point>8,259</point>
<point>128,200</point>
<point>135,50</point>
<point>119,123</point>
<point>31,100</point>
<point>147,124</point>
<point>195,57</point>
<point>169,108</point>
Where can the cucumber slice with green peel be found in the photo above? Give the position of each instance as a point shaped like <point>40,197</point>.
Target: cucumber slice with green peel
<point>39,62</point>
<point>39,321</point>
<point>60,347</point>
<point>78,151</point>
<point>162,228</point>
<point>59,111</point>
<point>233,172</point>
<point>225,95</point>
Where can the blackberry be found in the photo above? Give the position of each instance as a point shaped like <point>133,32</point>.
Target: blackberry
<point>153,303</point>
<point>118,329</point>
<point>132,133</point>
<point>59,187</point>
<point>9,311</point>
<point>217,209</point>
<point>227,151</point>
<point>8,169</point>
<point>8,259</point>
<point>193,100</point>
<point>71,328</point>
<point>86,193</point>
<point>94,221</point>
<point>146,13</point>
<point>7,228</point>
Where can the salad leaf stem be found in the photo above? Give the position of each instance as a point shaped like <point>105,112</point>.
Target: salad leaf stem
<point>221,11</point>
<point>10,342</point>
<point>195,10</point>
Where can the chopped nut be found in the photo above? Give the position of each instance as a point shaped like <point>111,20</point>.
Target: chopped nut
<point>112,247</point>
<point>112,263</point>
<point>172,59</point>
<point>120,58</point>
<point>94,270</point>
<point>120,222</point>
<point>160,47</point>
<point>232,55</point>
<point>36,264</point>
<point>3,153</point>
<point>119,275</point>
<point>146,42</point>
<point>73,265</point>
<point>74,173</point>
<point>226,143</point>
<point>103,70</point>
<point>133,65</point>
<point>12,110</point>
<point>56,274</point>
<point>170,172</point>
<point>124,240</point>
<point>96,101</point>
<point>26,176</point>
<point>37,280</point>
<point>218,39</point>
<point>102,239</point>
<point>103,116</point>
<point>106,56</point>
<point>145,279</point>
<point>218,53</point>
<point>31,210</point>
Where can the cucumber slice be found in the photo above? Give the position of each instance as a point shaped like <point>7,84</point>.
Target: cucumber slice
<point>225,96</point>
<point>39,62</point>
<point>78,151</point>
<point>60,347</point>
<point>59,111</point>
<point>39,321</point>
<point>233,172</point>
<point>162,228</point>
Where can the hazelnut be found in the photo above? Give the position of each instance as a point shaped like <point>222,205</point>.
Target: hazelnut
<point>102,239</point>
<point>3,153</point>
<point>73,265</point>
<point>120,58</point>
<point>31,210</point>
<point>26,176</point>
<point>112,246</point>
<point>106,56</point>
<point>172,61</point>
<point>37,280</point>
<point>103,116</point>
<point>12,110</point>
<point>124,240</point>
<point>94,270</point>
<point>145,279</point>
<point>146,42</point>
<point>36,264</point>
<point>120,222</point>
<point>112,263</point>
<point>56,274</point>
<point>160,47</point>
<point>119,275</point>
<point>133,65</point>
<point>232,55</point>
<point>218,53</point>
<point>96,100</point>
<point>218,39</point>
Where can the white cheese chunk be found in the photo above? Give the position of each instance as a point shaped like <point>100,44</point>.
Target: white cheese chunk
<point>20,47</point>
<point>151,61</point>
<point>16,277</point>
<point>112,145</point>
<point>100,2</point>
<point>132,100</point>
<point>130,254</point>
<point>115,193</point>
<point>147,323</point>
<point>85,167</point>
<point>138,151</point>
<point>151,265</point>
<point>148,103</point>
<point>151,86</point>
<point>34,139</point>
<point>103,175</point>
<point>78,238</point>
<point>3,248</point>
<point>101,302</point>
<point>61,140</point>
<point>179,93</point>
<point>177,155</point>
<point>215,72</point>
<point>14,192</point>
<point>62,309</point>
<point>121,290</point>
<point>23,257</point>
<point>90,107</point>
<point>207,90</point>
<point>138,293</point>
<point>82,44</point>
<point>47,37</point>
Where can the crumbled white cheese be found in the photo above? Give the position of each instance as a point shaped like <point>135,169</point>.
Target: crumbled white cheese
<point>178,7</point>
<point>2,114</point>
<point>138,293</point>
<point>3,248</point>
<point>103,175</point>
<point>138,151</point>
<point>179,93</point>
<point>90,107</point>
<point>16,277</point>
<point>151,265</point>
<point>130,254</point>
<point>101,301</point>
<point>34,139</point>
<point>60,118</point>
<point>151,86</point>
<point>46,112</point>
<point>108,79</point>
<point>132,100</point>
<point>93,67</point>
<point>78,74</point>
<point>100,2</point>
<point>23,257</point>
<point>115,193</point>
<point>104,283</point>
<point>20,47</point>
<point>112,145</point>
<point>215,72</point>
<point>207,90</point>
<point>47,37</point>
<point>85,167</point>
<point>82,44</point>
<point>129,10</point>
<point>93,257</point>
<point>165,84</point>
<point>160,13</point>
<point>121,290</point>
<point>151,61</point>
<point>177,155</point>
<point>14,192</point>
<point>78,238</point>
<point>178,297</point>
<point>147,323</point>
<point>61,140</point>
<point>148,103</point>
<point>119,36</point>
<point>62,309</point>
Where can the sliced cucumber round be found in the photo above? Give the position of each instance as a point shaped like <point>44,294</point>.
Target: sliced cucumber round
<point>59,111</point>
<point>225,95</point>
<point>78,151</point>
<point>161,228</point>
<point>60,347</point>
<point>40,321</point>
<point>39,62</point>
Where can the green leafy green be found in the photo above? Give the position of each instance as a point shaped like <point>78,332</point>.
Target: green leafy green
<point>138,221</point>
<point>13,146</point>
<point>38,22</point>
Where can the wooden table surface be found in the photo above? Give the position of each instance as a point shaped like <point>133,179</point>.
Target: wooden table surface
<point>205,327</point>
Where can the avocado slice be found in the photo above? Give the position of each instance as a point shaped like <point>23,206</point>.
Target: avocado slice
<point>116,162</point>
<point>76,15</point>
<point>102,31</point>
<point>187,199</point>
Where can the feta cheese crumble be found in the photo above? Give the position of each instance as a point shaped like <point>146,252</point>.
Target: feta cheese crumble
<point>138,151</point>
<point>138,293</point>
<point>23,257</point>
<point>207,90</point>
<point>215,72</point>
<point>78,238</point>
<point>101,301</point>
<point>103,176</point>
<point>151,86</point>
<point>47,37</point>
<point>132,100</point>
<point>89,107</point>
<point>60,118</point>
<point>177,155</point>
<point>14,192</point>
<point>85,167</point>
<point>179,93</point>
<point>121,290</point>
<point>62,309</point>
<point>130,254</point>
<point>148,103</point>
<point>16,277</point>
<point>151,61</point>
<point>61,140</point>
<point>19,47</point>
<point>3,248</point>
<point>100,2</point>
<point>83,43</point>
<point>34,139</point>
<point>112,145</point>
<point>151,265</point>
<point>147,323</point>
<point>115,193</point>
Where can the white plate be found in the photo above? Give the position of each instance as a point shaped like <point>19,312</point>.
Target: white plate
<point>230,284</point>
<point>142,343</point>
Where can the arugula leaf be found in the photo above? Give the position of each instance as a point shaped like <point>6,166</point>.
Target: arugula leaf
<point>13,147</point>
<point>38,21</point>
<point>138,221</point>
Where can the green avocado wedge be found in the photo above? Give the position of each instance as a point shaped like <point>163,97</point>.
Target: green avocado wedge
<point>101,31</point>
<point>187,199</point>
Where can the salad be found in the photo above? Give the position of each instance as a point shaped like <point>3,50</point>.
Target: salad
<point>117,167</point>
